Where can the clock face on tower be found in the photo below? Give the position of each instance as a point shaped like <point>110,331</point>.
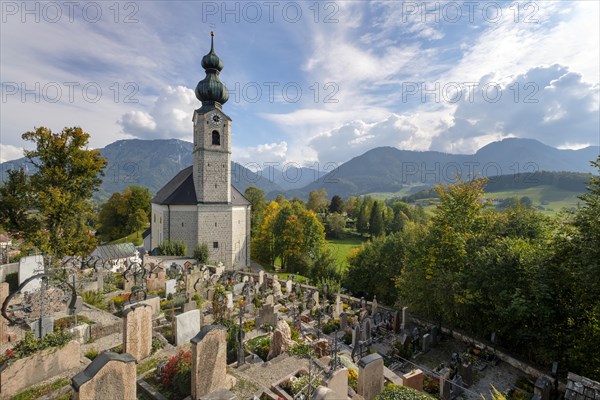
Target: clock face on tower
<point>215,118</point>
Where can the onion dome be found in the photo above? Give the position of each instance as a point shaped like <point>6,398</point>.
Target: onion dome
<point>211,90</point>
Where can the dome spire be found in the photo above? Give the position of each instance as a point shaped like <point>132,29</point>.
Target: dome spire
<point>210,90</point>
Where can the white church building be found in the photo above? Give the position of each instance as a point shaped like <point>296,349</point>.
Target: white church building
<point>199,205</point>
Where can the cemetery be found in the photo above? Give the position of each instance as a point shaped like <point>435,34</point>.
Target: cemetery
<point>167,328</point>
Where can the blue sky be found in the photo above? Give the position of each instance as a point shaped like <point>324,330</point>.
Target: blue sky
<point>311,82</point>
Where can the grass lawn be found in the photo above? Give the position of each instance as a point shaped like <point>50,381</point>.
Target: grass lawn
<point>341,248</point>
<point>135,238</point>
<point>554,199</point>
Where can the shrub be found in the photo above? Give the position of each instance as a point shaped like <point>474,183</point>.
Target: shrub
<point>260,346</point>
<point>119,300</point>
<point>30,344</point>
<point>91,354</point>
<point>301,350</point>
<point>331,326</point>
<point>394,392</point>
<point>172,248</point>
<point>201,253</point>
<point>157,344</point>
<point>95,299</point>
<point>176,373</point>
<point>302,381</point>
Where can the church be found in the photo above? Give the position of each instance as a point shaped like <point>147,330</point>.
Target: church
<point>200,205</point>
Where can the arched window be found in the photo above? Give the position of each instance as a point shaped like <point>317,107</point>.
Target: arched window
<point>216,138</point>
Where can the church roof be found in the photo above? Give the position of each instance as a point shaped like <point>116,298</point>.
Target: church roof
<point>181,191</point>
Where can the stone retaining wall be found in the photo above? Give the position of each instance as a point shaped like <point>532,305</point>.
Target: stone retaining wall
<point>38,367</point>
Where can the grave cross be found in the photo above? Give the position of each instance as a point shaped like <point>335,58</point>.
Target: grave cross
<point>241,359</point>
<point>319,316</point>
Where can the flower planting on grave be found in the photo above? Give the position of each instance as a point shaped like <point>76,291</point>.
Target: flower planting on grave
<point>176,374</point>
<point>69,322</point>
<point>30,345</point>
<point>260,346</point>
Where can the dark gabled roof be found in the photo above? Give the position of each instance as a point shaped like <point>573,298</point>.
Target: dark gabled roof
<point>146,233</point>
<point>178,191</point>
<point>181,191</point>
<point>237,198</point>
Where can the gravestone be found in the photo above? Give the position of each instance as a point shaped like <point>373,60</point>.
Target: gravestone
<point>270,300</point>
<point>42,326</point>
<point>466,371</point>
<point>261,277</point>
<point>426,342</point>
<point>170,287</point>
<point>337,307</point>
<point>445,384</point>
<point>542,388</point>
<point>229,300</point>
<point>137,331</point>
<point>356,336</point>
<point>209,361</point>
<point>189,306</point>
<point>245,278</point>
<point>435,336</point>
<point>414,379</point>
<point>339,383</point>
<point>100,280</point>
<point>315,299</point>
<point>237,288</point>
<point>3,322</point>
<point>374,306</point>
<point>152,301</point>
<point>109,376</point>
<point>370,376</point>
<point>397,322</point>
<point>210,294</point>
<point>344,321</point>
<point>288,287</point>
<point>28,267</point>
<point>76,307</point>
<point>266,315</point>
<point>156,280</point>
<point>187,326</point>
<point>277,289</point>
<point>404,318</point>
<point>367,327</point>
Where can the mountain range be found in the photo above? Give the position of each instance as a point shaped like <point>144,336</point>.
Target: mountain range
<point>152,163</point>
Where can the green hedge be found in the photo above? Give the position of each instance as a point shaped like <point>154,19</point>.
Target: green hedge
<point>393,392</point>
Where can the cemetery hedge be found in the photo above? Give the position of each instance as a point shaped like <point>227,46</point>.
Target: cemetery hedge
<point>30,345</point>
<point>394,392</point>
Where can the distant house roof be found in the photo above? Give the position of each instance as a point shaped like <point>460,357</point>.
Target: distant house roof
<point>181,191</point>
<point>114,251</point>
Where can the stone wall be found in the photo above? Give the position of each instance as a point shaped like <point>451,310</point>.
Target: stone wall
<point>215,225</point>
<point>8,269</point>
<point>182,225</point>
<point>38,367</point>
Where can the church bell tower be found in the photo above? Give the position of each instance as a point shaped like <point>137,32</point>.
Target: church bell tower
<point>212,135</point>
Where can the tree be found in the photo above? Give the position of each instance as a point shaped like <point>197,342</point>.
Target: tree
<point>15,202</point>
<point>335,225</point>
<point>317,200</point>
<point>362,221</point>
<point>117,216</point>
<point>263,243</point>
<point>257,197</point>
<point>376,227</point>
<point>201,253</point>
<point>67,176</point>
<point>172,248</point>
<point>137,220</point>
<point>336,205</point>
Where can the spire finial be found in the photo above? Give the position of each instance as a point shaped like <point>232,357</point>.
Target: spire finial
<point>212,37</point>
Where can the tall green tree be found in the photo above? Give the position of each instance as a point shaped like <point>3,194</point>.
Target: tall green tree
<point>256,196</point>
<point>336,205</point>
<point>376,226</point>
<point>67,175</point>
<point>362,220</point>
<point>124,213</point>
<point>317,201</point>
<point>16,202</point>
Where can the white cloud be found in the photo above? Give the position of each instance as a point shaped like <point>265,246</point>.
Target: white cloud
<point>9,152</point>
<point>170,116</point>
<point>257,155</point>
